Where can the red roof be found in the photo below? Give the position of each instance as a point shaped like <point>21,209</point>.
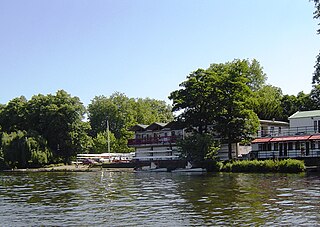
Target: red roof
<point>290,138</point>
<point>261,140</point>
<point>315,137</point>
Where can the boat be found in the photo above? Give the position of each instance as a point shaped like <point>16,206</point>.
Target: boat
<point>189,168</point>
<point>152,168</point>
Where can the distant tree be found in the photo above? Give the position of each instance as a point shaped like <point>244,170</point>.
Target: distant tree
<point>58,118</point>
<point>289,105</point>
<point>123,112</point>
<point>13,115</point>
<point>315,98</point>
<point>268,103</point>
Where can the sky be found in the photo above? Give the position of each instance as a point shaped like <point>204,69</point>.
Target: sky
<point>146,48</point>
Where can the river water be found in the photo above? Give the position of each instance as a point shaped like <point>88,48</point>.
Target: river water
<point>125,198</point>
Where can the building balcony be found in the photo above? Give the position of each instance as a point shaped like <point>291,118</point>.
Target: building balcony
<point>153,141</point>
<point>293,131</point>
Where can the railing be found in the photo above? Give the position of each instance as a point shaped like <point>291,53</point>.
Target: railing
<point>304,130</point>
<point>154,140</point>
<point>284,154</point>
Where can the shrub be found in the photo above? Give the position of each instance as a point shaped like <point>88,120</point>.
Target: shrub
<point>284,166</point>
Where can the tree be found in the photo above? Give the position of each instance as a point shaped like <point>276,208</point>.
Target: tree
<point>235,117</point>
<point>268,103</point>
<point>221,97</point>
<point>195,101</point>
<point>289,105</point>
<point>13,115</point>
<point>199,147</point>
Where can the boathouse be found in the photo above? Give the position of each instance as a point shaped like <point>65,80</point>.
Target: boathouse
<point>301,139</point>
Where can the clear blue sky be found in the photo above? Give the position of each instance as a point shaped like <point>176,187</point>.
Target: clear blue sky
<point>145,48</point>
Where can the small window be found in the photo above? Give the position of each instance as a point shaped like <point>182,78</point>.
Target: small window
<point>315,126</point>
<point>297,145</point>
<point>275,146</point>
<point>290,146</point>
<point>313,145</point>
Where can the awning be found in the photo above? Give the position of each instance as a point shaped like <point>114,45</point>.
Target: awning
<point>290,138</point>
<point>315,137</point>
<point>261,140</point>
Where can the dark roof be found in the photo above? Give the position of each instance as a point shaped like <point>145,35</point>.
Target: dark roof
<point>138,127</point>
<point>175,125</point>
<point>156,125</point>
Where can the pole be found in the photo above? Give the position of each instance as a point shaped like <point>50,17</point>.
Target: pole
<point>108,136</point>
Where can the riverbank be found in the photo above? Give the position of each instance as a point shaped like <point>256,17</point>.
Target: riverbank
<point>59,168</point>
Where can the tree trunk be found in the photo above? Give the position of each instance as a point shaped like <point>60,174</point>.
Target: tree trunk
<point>229,149</point>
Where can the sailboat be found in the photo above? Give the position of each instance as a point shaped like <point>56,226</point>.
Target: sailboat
<point>188,168</point>
<point>152,168</point>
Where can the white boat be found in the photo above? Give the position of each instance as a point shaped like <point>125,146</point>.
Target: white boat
<point>152,168</point>
<point>188,168</point>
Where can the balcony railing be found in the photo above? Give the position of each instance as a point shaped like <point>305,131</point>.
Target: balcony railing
<point>304,130</point>
<point>154,140</point>
<point>284,154</point>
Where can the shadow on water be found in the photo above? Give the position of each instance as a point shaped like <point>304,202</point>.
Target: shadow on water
<point>124,198</point>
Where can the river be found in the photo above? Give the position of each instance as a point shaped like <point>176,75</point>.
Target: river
<point>125,198</point>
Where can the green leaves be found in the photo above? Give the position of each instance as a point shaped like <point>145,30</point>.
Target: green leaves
<point>122,113</point>
<point>221,97</point>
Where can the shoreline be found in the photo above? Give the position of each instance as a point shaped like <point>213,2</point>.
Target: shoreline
<point>62,168</point>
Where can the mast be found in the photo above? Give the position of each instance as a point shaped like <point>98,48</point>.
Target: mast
<point>108,134</point>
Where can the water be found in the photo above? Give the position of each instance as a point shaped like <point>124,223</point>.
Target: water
<point>125,198</point>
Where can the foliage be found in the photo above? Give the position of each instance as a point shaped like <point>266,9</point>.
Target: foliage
<point>122,113</point>
<point>198,147</point>
<point>221,97</point>
<point>268,103</point>
<point>56,118</point>
<point>22,151</point>
<point>284,166</point>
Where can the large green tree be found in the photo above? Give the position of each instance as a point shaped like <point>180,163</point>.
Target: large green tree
<point>58,119</point>
<point>220,96</point>
<point>195,101</point>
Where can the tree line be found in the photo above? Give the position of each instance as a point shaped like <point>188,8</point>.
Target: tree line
<point>53,128</point>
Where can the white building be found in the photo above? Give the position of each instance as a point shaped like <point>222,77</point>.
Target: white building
<point>156,141</point>
<point>302,139</point>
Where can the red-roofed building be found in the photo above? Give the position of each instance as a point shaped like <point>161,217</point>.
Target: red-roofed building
<point>301,139</point>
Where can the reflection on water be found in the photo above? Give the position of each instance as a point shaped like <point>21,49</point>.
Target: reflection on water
<point>125,198</point>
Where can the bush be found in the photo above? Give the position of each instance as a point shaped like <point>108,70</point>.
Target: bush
<point>284,166</point>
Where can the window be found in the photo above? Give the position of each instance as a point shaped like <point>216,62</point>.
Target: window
<point>279,130</point>
<point>315,126</point>
<point>290,146</point>
<point>275,146</point>
<point>260,148</point>
<point>297,145</point>
<point>271,130</point>
<point>313,145</point>
<point>269,146</point>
